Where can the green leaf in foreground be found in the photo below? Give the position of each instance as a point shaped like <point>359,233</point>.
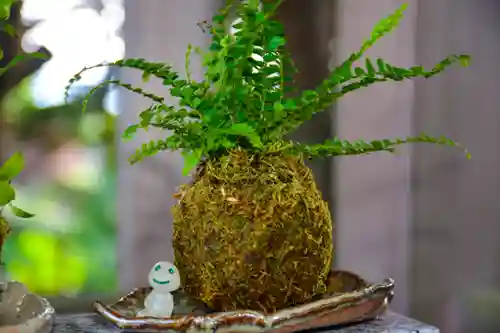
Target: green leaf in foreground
<point>7,193</point>
<point>9,29</point>
<point>17,59</point>
<point>12,167</point>
<point>20,212</point>
<point>5,6</point>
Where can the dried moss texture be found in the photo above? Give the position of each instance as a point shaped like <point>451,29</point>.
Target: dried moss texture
<point>253,232</point>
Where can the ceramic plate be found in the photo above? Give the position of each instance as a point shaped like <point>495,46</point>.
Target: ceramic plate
<point>349,300</point>
<point>22,311</point>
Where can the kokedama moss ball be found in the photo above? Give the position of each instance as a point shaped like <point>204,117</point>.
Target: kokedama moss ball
<point>252,232</point>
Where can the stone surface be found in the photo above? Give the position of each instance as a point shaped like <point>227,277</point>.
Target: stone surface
<point>22,311</point>
<point>390,323</point>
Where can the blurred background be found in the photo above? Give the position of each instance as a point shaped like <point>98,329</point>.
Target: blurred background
<point>426,216</point>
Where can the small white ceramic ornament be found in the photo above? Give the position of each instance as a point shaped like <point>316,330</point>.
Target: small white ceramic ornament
<point>163,278</point>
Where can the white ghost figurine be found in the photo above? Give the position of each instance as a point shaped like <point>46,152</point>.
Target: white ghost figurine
<point>163,278</point>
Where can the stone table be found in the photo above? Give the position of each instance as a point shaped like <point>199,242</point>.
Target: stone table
<point>389,323</point>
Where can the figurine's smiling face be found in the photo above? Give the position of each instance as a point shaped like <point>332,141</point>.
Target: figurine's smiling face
<point>164,277</point>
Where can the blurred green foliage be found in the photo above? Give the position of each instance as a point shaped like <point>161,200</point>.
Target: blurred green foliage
<point>52,259</point>
<point>69,246</point>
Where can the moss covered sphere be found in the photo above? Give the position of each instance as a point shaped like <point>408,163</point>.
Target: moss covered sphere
<point>252,232</point>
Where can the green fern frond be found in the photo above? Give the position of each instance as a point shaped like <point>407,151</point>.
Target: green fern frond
<point>343,73</point>
<point>338,147</point>
<point>385,72</point>
<point>119,83</point>
<point>247,99</point>
<point>346,78</point>
<point>151,148</point>
<point>187,62</point>
<point>156,69</point>
<point>161,116</point>
<point>176,141</point>
<point>312,102</point>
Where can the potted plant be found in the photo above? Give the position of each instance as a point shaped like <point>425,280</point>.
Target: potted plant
<point>251,229</point>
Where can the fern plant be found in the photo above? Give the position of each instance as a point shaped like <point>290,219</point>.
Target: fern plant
<point>247,98</point>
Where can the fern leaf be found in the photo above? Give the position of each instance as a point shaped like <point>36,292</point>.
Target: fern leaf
<point>151,148</point>
<point>177,140</point>
<point>340,75</point>
<point>338,147</point>
<point>162,116</point>
<point>245,130</point>
<point>392,73</point>
<point>156,69</point>
<point>191,160</point>
<point>187,62</point>
<point>119,83</point>
<point>344,73</point>
<point>312,102</point>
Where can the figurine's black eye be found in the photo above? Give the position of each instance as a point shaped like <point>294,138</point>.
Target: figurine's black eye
<point>171,270</point>
<point>157,268</point>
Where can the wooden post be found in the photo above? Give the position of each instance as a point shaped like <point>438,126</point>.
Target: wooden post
<point>158,30</point>
<point>372,193</point>
<point>308,30</point>
<point>456,210</point>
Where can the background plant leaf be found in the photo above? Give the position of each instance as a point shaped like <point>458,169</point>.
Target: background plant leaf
<point>7,193</point>
<point>12,167</point>
<point>20,212</point>
<point>5,6</point>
